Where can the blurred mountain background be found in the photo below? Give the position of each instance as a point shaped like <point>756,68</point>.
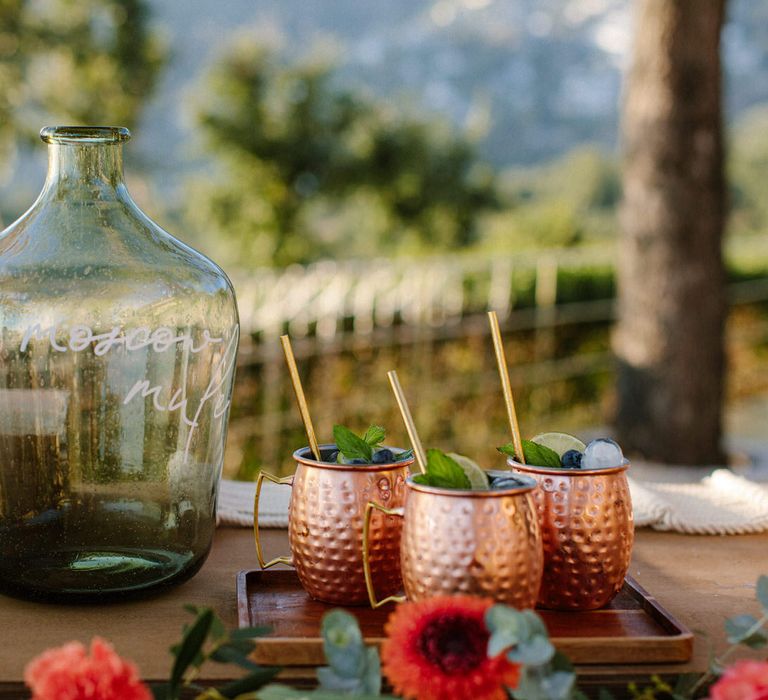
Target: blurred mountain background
<point>474,141</point>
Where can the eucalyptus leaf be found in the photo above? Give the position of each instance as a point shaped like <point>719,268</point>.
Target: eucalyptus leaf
<point>559,685</point>
<point>507,626</point>
<point>535,625</point>
<point>368,683</point>
<point>343,644</point>
<point>500,641</point>
<point>536,651</point>
<point>529,686</point>
<point>372,677</point>
<point>762,592</point>
<point>283,692</point>
<point>330,680</point>
<point>745,629</point>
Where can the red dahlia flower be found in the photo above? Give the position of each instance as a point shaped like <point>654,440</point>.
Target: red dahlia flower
<point>744,680</point>
<point>69,673</point>
<point>437,649</point>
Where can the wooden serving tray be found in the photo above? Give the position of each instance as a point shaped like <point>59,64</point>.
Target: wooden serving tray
<point>632,629</point>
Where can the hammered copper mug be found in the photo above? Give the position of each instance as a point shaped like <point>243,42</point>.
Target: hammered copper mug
<point>587,528</point>
<point>325,526</point>
<point>456,541</point>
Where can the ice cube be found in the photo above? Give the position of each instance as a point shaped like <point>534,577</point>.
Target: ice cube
<point>602,454</point>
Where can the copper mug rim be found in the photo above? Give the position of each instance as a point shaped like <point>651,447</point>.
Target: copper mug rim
<point>559,471</point>
<point>528,487</point>
<point>303,456</point>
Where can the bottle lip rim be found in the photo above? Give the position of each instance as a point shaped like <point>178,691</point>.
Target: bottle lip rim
<point>84,134</point>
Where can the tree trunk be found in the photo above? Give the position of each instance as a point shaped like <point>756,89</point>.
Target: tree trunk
<point>672,303</point>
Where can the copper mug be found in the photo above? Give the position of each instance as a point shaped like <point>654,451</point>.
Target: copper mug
<point>454,541</point>
<point>588,530</point>
<point>325,526</point>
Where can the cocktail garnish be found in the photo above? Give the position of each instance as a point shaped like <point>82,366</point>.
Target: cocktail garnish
<point>535,454</point>
<point>353,449</point>
<point>443,472</point>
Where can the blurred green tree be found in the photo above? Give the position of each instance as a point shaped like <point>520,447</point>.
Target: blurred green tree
<point>566,202</point>
<point>748,171</point>
<point>293,148</point>
<point>74,61</point>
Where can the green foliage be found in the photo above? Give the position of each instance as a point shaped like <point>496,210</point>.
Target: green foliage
<point>523,637</point>
<point>353,669</point>
<point>311,169</point>
<point>206,639</point>
<point>283,692</point>
<point>443,472</point>
<point>535,454</point>
<point>375,435</point>
<point>74,61</point>
<point>745,629</point>
<point>748,173</point>
<point>352,446</point>
<point>564,203</point>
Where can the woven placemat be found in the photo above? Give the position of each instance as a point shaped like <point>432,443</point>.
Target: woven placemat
<point>722,503</point>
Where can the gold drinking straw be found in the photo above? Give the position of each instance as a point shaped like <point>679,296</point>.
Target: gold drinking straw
<point>410,426</point>
<point>300,398</point>
<point>506,385</point>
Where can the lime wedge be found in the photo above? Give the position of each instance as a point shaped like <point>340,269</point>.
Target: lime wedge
<point>478,479</point>
<point>559,442</point>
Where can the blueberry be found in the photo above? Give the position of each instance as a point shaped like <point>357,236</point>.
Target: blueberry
<point>571,459</point>
<point>357,460</point>
<point>332,456</point>
<point>383,456</point>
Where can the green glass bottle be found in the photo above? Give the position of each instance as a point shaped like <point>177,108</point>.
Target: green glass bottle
<point>117,353</point>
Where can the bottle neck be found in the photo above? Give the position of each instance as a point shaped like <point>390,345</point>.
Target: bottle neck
<point>95,169</point>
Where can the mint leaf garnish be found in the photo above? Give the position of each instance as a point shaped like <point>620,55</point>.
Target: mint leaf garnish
<point>540,455</point>
<point>350,445</point>
<point>443,472</point>
<point>508,449</point>
<point>374,436</point>
<point>536,455</point>
<point>405,454</point>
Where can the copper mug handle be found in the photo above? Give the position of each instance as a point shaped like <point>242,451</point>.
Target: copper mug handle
<point>369,508</point>
<point>275,480</point>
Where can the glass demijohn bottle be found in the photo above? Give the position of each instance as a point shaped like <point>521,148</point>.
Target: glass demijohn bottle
<point>117,352</point>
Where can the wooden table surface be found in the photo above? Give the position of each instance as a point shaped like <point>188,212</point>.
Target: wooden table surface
<point>700,580</point>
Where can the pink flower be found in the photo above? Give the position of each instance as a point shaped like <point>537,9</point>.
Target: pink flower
<point>69,673</point>
<point>745,680</point>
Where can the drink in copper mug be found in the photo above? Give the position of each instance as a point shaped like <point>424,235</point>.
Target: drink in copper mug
<point>587,530</point>
<point>325,525</point>
<point>457,541</point>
